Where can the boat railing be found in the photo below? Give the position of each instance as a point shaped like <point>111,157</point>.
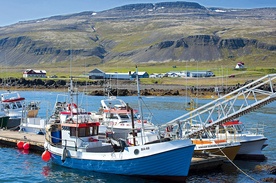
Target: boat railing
<point>256,129</point>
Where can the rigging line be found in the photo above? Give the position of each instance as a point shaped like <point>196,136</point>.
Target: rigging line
<point>148,108</point>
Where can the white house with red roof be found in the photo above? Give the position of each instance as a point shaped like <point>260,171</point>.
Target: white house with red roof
<point>31,73</point>
<point>240,65</point>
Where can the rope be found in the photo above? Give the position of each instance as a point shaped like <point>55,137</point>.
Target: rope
<point>238,167</point>
<point>221,150</point>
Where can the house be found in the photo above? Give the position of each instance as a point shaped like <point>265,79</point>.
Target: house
<point>140,75</point>
<point>119,76</point>
<point>156,75</point>
<point>240,65</point>
<point>30,73</point>
<point>96,74</point>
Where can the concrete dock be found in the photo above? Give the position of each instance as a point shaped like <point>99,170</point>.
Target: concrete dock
<point>10,138</point>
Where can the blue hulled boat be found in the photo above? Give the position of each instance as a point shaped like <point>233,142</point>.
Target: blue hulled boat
<point>74,142</point>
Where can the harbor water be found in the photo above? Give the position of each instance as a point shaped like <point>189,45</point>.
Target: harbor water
<point>23,166</point>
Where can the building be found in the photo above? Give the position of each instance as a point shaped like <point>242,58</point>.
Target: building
<point>98,74</point>
<point>30,73</point>
<point>240,65</point>
<point>184,74</point>
<point>200,74</point>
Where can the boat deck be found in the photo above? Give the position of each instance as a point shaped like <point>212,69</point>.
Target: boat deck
<point>10,138</point>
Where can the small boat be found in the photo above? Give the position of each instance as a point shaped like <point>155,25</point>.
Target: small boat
<point>252,141</point>
<point>17,109</point>
<point>12,104</point>
<point>74,143</point>
<point>203,144</point>
<point>217,147</point>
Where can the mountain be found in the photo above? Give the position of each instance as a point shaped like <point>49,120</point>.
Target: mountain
<point>178,31</point>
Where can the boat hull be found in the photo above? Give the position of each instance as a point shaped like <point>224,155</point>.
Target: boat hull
<point>229,151</point>
<point>14,123</point>
<point>4,121</point>
<point>152,160</point>
<point>252,149</point>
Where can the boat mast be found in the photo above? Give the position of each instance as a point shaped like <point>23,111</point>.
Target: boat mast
<point>139,104</point>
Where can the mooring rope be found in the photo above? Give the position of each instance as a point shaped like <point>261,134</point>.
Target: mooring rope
<point>238,167</point>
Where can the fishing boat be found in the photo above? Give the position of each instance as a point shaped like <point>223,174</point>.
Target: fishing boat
<point>217,147</point>
<point>74,143</point>
<point>12,104</point>
<point>115,117</point>
<point>15,107</point>
<point>252,140</point>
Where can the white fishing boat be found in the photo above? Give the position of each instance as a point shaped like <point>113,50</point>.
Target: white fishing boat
<point>16,107</point>
<point>252,141</point>
<point>75,143</point>
<point>114,117</point>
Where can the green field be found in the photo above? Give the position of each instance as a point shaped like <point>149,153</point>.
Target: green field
<point>222,69</point>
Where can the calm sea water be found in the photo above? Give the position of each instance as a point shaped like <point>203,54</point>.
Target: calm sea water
<point>22,166</point>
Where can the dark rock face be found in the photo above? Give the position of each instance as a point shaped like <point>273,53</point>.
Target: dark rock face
<point>203,47</point>
<point>29,50</point>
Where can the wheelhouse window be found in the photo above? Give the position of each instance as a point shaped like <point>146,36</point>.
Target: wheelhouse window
<point>19,105</point>
<point>84,132</point>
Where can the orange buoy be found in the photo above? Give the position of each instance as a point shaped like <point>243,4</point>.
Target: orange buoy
<point>26,146</point>
<point>20,144</point>
<point>46,156</point>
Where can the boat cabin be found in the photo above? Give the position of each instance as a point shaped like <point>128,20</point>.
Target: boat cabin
<point>80,135</point>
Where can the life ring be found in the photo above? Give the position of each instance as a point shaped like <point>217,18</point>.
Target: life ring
<point>72,106</point>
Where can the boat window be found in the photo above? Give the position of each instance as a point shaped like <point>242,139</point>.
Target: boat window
<point>221,129</point>
<point>231,130</point>
<point>19,105</point>
<point>82,132</point>
<point>112,116</point>
<point>6,106</point>
<point>239,128</point>
<point>95,130</point>
<point>124,116</point>
<point>14,106</point>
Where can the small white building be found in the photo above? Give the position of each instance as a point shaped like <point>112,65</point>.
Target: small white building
<point>200,74</point>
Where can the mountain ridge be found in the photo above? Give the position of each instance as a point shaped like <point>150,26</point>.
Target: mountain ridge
<point>144,32</point>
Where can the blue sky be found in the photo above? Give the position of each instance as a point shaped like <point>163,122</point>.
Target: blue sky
<point>13,11</point>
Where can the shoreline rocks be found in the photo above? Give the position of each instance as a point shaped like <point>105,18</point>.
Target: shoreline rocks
<point>121,88</point>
